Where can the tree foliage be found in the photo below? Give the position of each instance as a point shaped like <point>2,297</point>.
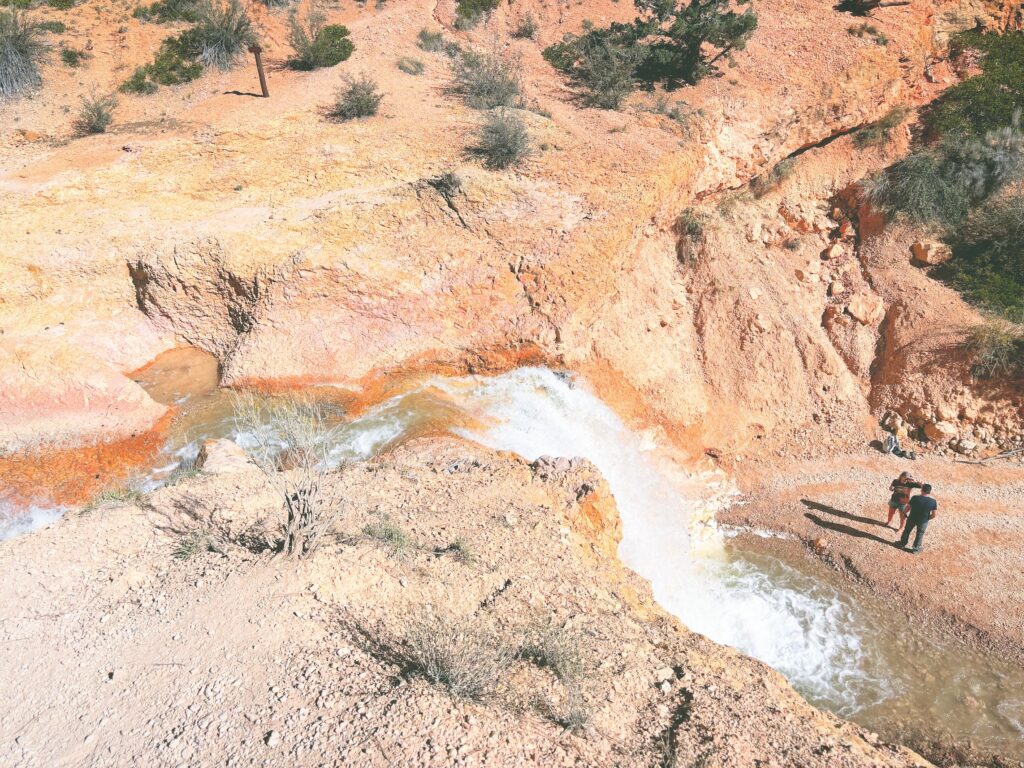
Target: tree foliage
<point>671,43</point>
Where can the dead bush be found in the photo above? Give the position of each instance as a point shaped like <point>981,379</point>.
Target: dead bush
<point>290,440</point>
<point>465,655</point>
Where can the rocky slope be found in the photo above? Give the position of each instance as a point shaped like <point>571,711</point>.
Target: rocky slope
<point>302,251</point>
<point>235,657</point>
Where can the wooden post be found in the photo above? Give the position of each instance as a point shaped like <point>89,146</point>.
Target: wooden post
<point>256,50</point>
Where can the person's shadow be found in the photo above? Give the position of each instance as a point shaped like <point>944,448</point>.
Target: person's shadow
<point>840,513</point>
<point>849,530</point>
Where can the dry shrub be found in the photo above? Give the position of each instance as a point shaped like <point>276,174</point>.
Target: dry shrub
<point>466,655</point>
<point>996,347</point>
<point>291,440</point>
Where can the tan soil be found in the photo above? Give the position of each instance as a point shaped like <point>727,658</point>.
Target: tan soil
<point>132,656</point>
<point>966,579</point>
<point>301,251</point>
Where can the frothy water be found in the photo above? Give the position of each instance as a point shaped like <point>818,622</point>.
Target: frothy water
<point>845,653</point>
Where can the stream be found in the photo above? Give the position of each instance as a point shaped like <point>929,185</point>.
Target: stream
<point>842,650</point>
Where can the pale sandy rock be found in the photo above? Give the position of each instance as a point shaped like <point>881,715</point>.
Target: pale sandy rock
<point>867,308</point>
<point>940,431</point>
<point>221,457</point>
<point>930,253</point>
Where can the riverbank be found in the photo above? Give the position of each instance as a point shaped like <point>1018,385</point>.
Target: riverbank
<point>133,653</point>
<point>964,583</point>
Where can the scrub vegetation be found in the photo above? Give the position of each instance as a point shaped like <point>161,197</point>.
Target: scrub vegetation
<point>358,98</point>
<point>316,43</point>
<point>22,51</point>
<point>672,44</point>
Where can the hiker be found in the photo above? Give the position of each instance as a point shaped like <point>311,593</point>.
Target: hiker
<point>900,499</point>
<point>922,511</point>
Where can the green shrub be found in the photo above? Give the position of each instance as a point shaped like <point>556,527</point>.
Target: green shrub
<point>668,43</point>
<point>996,347</point>
<point>503,140</point>
<point>138,83</point>
<point>56,27</point>
<point>175,62</point>
<point>358,98</point>
<point>557,649</point>
<point>469,13</point>
<point>938,185</point>
<point>880,132</point>
<point>766,182</point>
<point>985,102</point>
<point>96,115</point>
<point>988,258</point>
<point>22,50</point>
<point>61,5</point>
<point>317,45</point>
<point>165,11</point>
<point>222,34</point>
<point>21,5</point>
<point>410,66</point>
<point>429,41</point>
<point>869,30</point>
<point>526,27</point>
<point>195,543</point>
<point>391,535</point>
<point>603,68</point>
<point>485,81</point>
<point>116,497</point>
<point>72,58</point>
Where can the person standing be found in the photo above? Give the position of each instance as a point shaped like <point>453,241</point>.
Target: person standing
<point>899,501</point>
<point>922,512</point>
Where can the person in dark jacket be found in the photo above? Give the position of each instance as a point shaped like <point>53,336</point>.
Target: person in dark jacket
<point>922,512</point>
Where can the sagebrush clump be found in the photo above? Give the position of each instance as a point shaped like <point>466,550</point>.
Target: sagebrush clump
<point>880,131</point>
<point>467,656</point>
<point>22,51</point>
<point>389,533</point>
<point>358,98</point>
<point>411,66</point>
<point>430,41</point>
<point>503,140</point>
<point>222,33</point>
<point>486,81</point>
<point>996,347</point>
<point>940,184</point>
<point>96,115</point>
<point>302,475</point>
<point>316,43</point>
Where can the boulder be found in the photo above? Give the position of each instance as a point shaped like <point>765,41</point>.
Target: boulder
<point>836,288</point>
<point>940,431</point>
<point>867,308</point>
<point>930,253</point>
<point>220,457</point>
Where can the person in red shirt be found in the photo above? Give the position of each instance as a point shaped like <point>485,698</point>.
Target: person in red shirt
<point>899,501</point>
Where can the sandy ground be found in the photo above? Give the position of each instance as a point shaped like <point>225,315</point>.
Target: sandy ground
<point>966,580</point>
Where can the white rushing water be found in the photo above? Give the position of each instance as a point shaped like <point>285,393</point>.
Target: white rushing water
<point>801,627</point>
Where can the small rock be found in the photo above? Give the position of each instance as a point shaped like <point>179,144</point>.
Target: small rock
<point>834,251</point>
<point>663,674</point>
<point>930,253</point>
<point>836,288</point>
<point>867,308</point>
<point>272,739</point>
<point>940,431</point>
